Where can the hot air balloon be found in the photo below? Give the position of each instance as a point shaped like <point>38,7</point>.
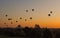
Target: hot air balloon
<point>4,23</point>
<point>49,14</point>
<point>16,21</point>
<point>50,11</point>
<point>30,17</point>
<point>25,19</point>
<point>32,9</point>
<point>26,10</point>
<point>6,15</point>
<point>20,17</point>
<point>9,18</point>
<point>11,22</point>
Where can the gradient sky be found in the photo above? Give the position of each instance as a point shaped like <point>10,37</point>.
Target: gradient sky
<point>17,8</point>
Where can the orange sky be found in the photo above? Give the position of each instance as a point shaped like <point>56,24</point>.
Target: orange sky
<point>17,8</point>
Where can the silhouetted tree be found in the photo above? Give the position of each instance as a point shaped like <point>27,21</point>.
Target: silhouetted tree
<point>27,31</point>
<point>58,34</point>
<point>47,33</point>
<point>37,26</point>
<point>37,31</point>
<point>19,27</point>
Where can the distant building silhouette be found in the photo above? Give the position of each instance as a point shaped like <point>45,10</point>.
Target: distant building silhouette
<point>37,26</point>
<point>19,27</point>
<point>37,31</point>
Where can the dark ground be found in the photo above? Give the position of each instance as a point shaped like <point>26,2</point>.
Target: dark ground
<point>27,32</point>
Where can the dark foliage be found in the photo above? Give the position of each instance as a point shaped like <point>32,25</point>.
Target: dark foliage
<point>35,32</point>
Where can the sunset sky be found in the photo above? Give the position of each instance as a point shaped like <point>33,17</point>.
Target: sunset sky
<point>17,8</point>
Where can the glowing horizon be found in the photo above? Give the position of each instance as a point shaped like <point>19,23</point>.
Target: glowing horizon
<point>17,8</point>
